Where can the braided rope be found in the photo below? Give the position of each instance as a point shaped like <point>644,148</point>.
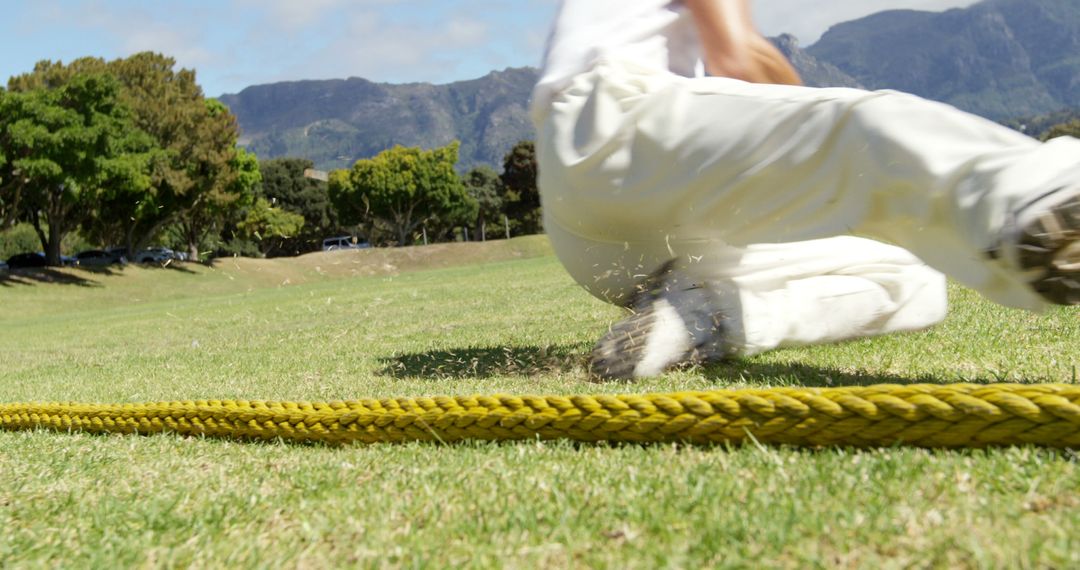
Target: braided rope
<point>929,415</point>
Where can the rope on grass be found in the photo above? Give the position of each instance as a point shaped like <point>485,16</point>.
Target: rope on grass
<point>928,415</point>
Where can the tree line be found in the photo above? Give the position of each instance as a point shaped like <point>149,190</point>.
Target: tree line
<point>130,153</point>
<point>403,193</point>
<point>120,151</point>
<point>401,197</point>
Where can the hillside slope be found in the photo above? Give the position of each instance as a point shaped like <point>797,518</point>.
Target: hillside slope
<point>335,122</point>
<point>1000,58</point>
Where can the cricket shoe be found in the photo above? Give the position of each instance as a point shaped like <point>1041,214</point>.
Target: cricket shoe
<point>672,322</point>
<point>1046,237</point>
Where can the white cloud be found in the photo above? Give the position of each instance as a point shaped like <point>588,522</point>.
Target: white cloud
<point>184,48</point>
<point>465,31</point>
<point>376,47</point>
<point>293,15</point>
<point>132,29</point>
<point>441,40</point>
<point>236,43</point>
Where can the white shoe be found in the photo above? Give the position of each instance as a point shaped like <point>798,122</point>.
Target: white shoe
<point>672,323</point>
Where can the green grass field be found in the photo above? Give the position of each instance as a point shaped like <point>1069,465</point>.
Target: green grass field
<point>502,317</point>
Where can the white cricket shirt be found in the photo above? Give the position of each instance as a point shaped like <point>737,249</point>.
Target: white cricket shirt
<point>653,33</point>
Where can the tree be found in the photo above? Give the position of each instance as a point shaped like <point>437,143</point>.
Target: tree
<point>9,196</point>
<point>223,177</point>
<point>484,186</point>
<point>400,189</point>
<point>460,213</point>
<point>269,225</point>
<point>190,157</point>
<point>68,140</point>
<point>191,168</point>
<point>286,187</point>
<point>522,197</point>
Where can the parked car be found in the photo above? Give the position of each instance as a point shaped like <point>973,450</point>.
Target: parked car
<point>3,265</point>
<point>38,259</point>
<point>118,252</point>
<point>156,255</point>
<point>27,260</point>
<point>343,242</point>
<point>99,258</point>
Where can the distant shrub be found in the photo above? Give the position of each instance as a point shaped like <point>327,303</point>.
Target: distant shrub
<point>237,247</point>
<point>23,239</point>
<point>19,239</point>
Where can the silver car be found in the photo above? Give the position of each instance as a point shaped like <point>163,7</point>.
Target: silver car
<point>155,255</point>
<point>343,242</point>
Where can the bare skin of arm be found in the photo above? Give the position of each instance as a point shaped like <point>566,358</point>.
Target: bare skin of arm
<point>733,46</point>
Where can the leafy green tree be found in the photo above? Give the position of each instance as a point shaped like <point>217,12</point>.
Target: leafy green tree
<point>191,169</point>
<point>9,192</point>
<point>268,225</point>
<point>46,75</point>
<point>444,225</point>
<point>521,201</point>
<point>286,187</point>
<point>484,186</point>
<point>401,189</point>
<point>223,182</point>
<point>68,141</point>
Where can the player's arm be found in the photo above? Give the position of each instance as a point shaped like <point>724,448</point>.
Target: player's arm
<point>734,48</point>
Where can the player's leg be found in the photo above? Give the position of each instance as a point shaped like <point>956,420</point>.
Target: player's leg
<point>636,155</point>
<point>701,301</point>
<point>829,290</point>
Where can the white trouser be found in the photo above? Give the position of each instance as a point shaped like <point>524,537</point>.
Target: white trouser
<point>741,182</point>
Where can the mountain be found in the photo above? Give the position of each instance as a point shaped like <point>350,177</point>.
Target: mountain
<point>335,122</point>
<point>1000,58</point>
<point>813,71</point>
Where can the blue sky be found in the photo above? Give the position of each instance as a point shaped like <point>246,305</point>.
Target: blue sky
<point>235,43</point>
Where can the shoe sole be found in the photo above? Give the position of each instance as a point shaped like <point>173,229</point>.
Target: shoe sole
<point>1049,246</point>
<point>648,341</point>
<point>618,353</point>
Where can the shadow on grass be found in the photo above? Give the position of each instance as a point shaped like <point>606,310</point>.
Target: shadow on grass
<point>170,266</point>
<point>118,269</point>
<point>50,275</point>
<point>489,362</point>
<point>79,276</point>
<point>796,374</point>
<point>486,362</point>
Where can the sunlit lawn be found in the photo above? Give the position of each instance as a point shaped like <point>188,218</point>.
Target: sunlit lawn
<point>71,500</point>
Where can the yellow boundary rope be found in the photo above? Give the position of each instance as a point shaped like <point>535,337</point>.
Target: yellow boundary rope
<point>958,415</point>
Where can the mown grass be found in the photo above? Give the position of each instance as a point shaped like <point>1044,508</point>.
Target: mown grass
<point>71,500</point>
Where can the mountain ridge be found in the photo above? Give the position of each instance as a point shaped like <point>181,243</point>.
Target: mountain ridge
<point>997,58</point>
<point>1001,59</point>
<point>488,115</point>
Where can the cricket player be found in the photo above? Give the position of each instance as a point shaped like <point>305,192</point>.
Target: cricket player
<point>686,175</point>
